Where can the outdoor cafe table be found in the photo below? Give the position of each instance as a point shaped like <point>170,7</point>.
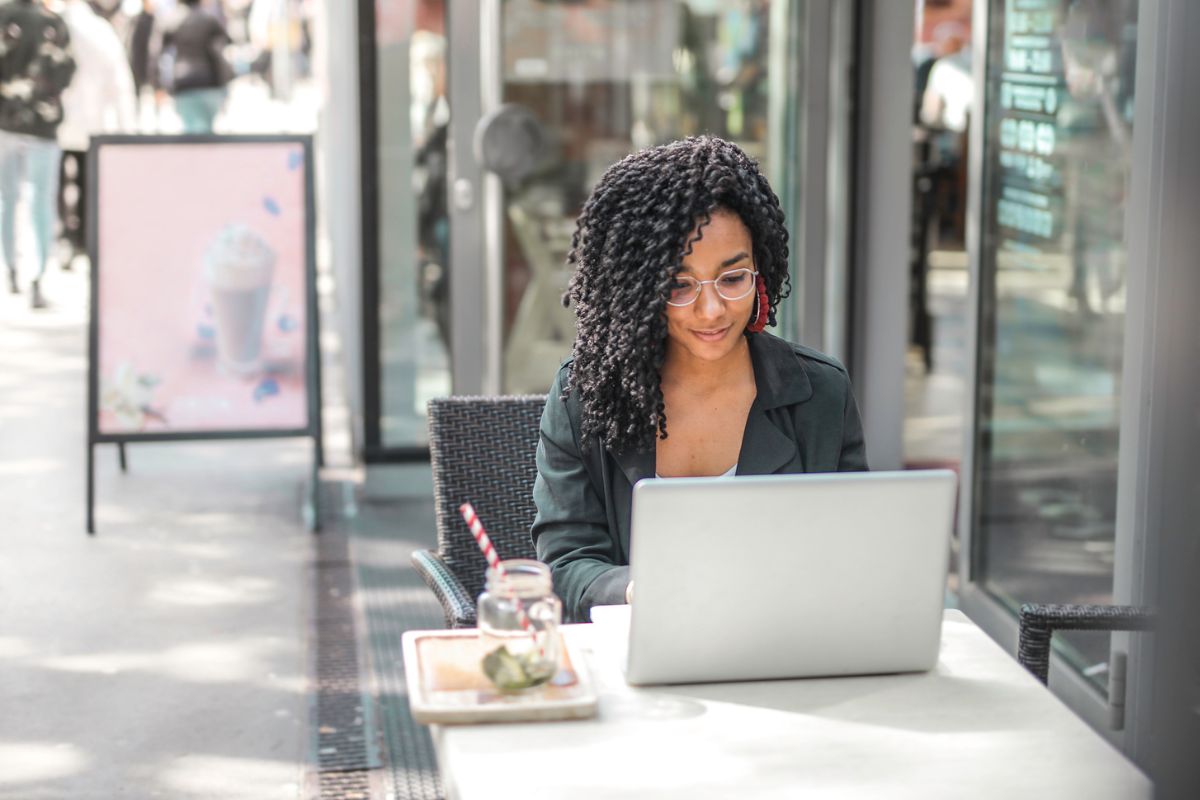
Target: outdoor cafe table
<point>976,726</point>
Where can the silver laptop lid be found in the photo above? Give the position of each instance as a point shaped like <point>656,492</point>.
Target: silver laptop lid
<point>784,576</point>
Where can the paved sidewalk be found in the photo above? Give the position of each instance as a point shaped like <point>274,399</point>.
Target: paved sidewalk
<point>166,657</point>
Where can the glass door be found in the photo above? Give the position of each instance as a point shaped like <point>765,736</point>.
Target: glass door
<point>405,303</point>
<point>567,89</point>
<point>1058,111</point>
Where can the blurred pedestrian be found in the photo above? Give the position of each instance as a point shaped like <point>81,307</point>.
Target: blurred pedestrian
<point>100,99</point>
<point>193,66</point>
<point>141,34</point>
<point>36,65</point>
<point>280,32</point>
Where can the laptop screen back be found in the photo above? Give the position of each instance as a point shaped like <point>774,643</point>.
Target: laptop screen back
<point>786,576</point>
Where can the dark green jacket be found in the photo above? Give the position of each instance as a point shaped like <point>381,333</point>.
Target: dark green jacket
<point>804,419</point>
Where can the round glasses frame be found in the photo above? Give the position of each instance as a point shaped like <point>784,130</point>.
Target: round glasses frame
<point>699,286</point>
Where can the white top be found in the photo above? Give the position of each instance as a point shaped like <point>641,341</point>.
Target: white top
<point>949,92</point>
<point>100,97</point>
<point>977,726</point>
<point>729,473</point>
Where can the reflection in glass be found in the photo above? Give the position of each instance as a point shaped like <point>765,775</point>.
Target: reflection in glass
<point>414,116</point>
<point>605,79</point>
<point>1058,129</point>
<point>936,369</point>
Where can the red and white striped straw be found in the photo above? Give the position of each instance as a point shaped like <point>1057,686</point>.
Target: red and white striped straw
<point>493,559</point>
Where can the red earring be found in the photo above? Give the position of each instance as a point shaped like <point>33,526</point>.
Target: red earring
<point>759,322</point>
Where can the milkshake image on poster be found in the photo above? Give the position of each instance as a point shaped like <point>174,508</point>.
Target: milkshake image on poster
<point>238,265</point>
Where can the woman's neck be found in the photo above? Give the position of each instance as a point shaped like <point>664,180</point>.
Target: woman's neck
<point>701,377</point>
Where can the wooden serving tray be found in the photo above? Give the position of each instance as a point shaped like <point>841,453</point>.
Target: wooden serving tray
<point>446,683</point>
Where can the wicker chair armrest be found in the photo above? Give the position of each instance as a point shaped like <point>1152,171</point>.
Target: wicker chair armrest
<point>458,606</point>
<point>1040,621</point>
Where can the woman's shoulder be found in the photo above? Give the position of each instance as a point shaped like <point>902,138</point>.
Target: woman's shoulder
<point>789,355</point>
<point>820,361</point>
<point>562,378</point>
<point>561,418</point>
<point>559,397</point>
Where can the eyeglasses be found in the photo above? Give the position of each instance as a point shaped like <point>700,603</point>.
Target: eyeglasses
<point>732,285</point>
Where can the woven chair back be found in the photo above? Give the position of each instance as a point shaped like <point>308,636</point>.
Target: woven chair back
<point>482,452</point>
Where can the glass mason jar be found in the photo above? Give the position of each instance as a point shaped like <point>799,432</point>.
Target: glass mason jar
<point>520,657</point>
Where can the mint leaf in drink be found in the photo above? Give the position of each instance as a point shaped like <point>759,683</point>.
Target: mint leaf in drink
<point>506,671</point>
<point>513,673</point>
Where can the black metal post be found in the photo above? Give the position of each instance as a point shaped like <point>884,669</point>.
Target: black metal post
<point>91,488</point>
<point>315,484</point>
<point>121,457</point>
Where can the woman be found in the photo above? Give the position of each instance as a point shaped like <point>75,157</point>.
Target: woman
<point>194,66</point>
<point>36,65</point>
<point>681,260</point>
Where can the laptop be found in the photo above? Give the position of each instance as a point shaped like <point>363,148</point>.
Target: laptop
<point>788,576</point>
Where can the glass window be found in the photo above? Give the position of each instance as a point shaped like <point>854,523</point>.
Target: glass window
<point>937,360</point>
<point>1059,111</point>
<point>605,79</point>
<point>413,119</point>
<point>943,93</point>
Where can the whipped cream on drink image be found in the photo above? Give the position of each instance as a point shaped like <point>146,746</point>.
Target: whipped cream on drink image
<point>238,266</point>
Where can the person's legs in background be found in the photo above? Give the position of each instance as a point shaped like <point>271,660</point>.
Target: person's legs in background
<point>82,207</point>
<point>216,101</point>
<point>72,205</point>
<point>198,108</point>
<point>43,160</point>
<point>191,112</point>
<point>11,160</point>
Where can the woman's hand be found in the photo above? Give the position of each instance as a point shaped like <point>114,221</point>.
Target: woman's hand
<point>629,593</point>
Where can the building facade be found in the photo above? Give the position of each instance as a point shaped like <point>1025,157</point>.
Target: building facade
<point>990,225</point>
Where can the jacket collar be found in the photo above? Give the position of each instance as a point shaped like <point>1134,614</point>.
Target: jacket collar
<point>781,380</point>
<point>780,375</point>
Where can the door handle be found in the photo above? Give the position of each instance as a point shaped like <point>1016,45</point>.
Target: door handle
<point>511,142</point>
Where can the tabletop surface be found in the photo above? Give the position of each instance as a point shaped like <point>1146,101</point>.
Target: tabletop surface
<point>978,726</point>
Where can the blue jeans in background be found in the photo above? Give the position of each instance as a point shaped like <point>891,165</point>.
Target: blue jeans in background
<point>33,160</point>
<point>198,108</point>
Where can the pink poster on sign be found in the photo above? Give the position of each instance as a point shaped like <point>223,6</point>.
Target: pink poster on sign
<point>201,315</point>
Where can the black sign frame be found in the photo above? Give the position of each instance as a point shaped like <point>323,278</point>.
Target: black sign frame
<point>312,373</point>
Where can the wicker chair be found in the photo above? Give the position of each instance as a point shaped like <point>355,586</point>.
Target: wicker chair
<point>482,451</point>
<point>1039,622</point>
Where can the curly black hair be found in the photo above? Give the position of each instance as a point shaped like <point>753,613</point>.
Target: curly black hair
<point>629,244</point>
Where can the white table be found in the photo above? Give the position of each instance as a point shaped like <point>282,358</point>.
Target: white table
<point>977,726</point>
